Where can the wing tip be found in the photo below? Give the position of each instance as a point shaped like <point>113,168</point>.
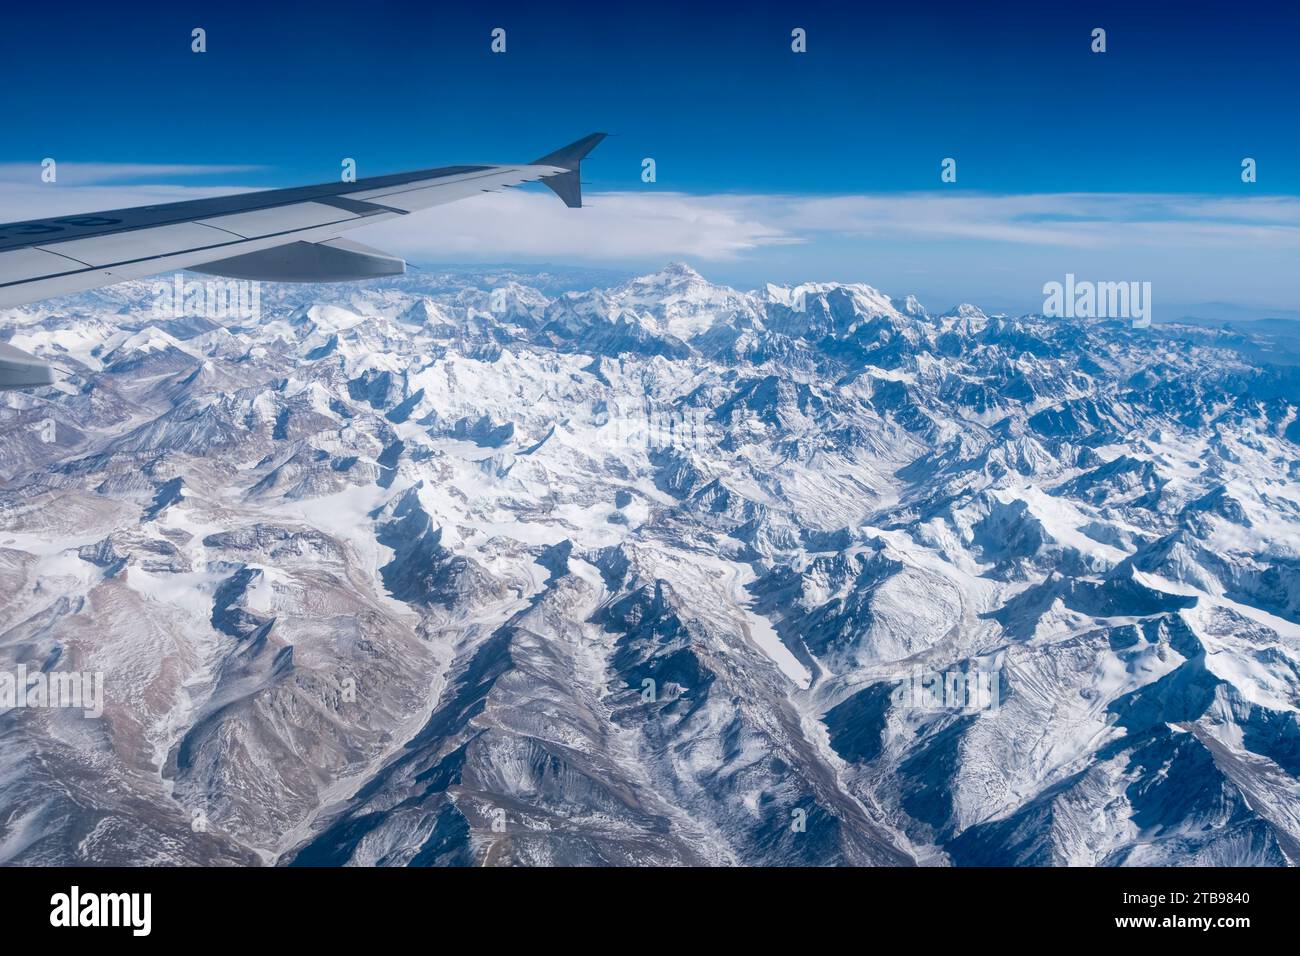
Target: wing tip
<point>568,157</point>
<point>568,185</point>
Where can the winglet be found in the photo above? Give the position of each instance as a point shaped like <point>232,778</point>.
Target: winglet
<point>568,186</point>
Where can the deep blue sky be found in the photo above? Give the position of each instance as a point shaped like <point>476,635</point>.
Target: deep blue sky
<point>713,93</point>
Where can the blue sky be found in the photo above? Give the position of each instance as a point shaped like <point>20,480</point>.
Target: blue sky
<point>771,165</point>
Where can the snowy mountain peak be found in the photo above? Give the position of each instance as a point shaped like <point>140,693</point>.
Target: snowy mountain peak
<point>965,310</point>
<point>910,306</point>
<point>677,271</point>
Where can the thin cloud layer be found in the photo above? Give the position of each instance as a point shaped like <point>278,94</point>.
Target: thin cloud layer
<point>625,225</point>
<point>88,174</point>
<point>611,227</point>
<point>655,225</point>
<point>1061,219</point>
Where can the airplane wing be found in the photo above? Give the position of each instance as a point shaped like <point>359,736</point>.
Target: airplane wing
<point>276,235</point>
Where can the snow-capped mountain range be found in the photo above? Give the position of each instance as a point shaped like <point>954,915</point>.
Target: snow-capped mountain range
<point>465,568</point>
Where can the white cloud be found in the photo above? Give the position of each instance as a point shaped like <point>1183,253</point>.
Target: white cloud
<point>657,225</point>
<point>723,227</point>
<point>81,174</point>
<point>610,226</point>
<point>1059,219</point>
